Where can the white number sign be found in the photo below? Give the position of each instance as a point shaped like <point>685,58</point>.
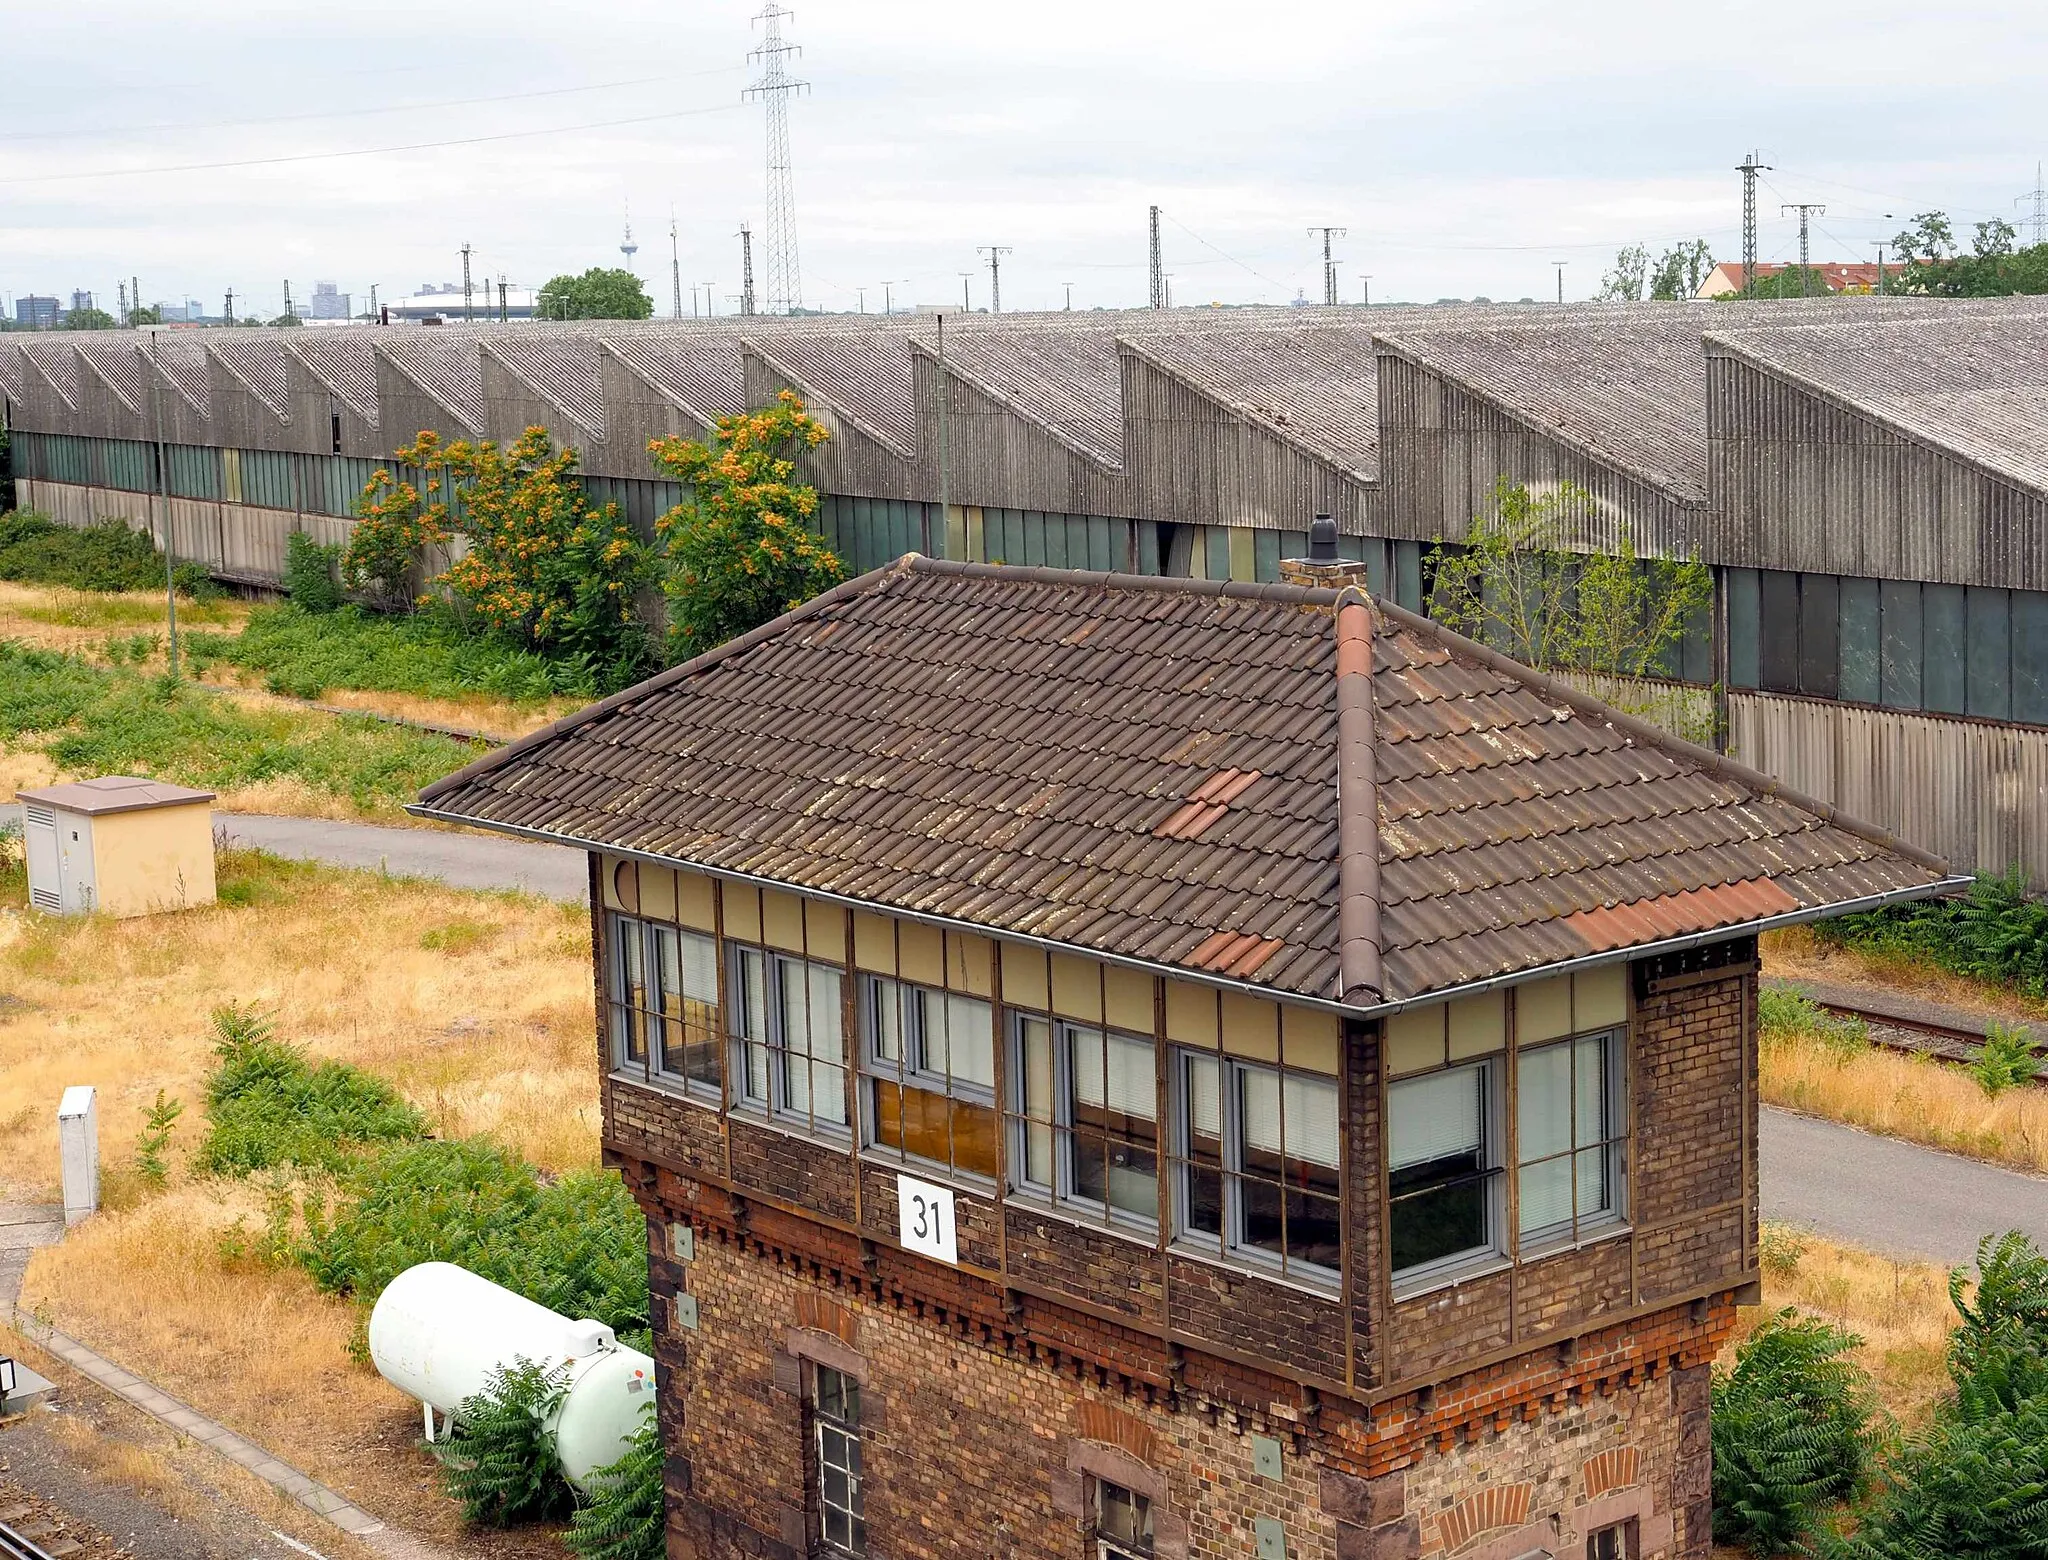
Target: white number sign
<point>924,1219</point>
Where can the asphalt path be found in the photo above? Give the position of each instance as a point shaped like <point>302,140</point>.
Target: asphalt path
<point>1870,1191</point>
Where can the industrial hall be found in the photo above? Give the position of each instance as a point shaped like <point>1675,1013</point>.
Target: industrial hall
<point>1136,1068</point>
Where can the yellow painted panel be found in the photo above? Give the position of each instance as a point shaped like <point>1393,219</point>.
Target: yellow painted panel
<point>782,920</point>
<point>1251,1027</point>
<point>1243,559</point>
<point>153,860</point>
<point>1313,1039</point>
<point>1024,979</point>
<point>1415,1040</point>
<point>1127,995</point>
<point>696,901</point>
<point>657,892</point>
<point>743,912</point>
<point>1479,1025</point>
<point>825,931</point>
<point>922,950</point>
<point>1599,998</point>
<point>1543,1010</point>
<point>874,942</point>
<point>970,964</point>
<point>1190,1014</point>
<point>608,877</point>
<point>1077,987</point>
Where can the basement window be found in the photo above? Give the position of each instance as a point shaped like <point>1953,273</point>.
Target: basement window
<point>930,1063</point>
<point>1123,1523</point>
<point>835,1419</point>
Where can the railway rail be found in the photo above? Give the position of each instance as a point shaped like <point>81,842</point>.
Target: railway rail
<point>17,1546</point>
<point>1917,1036</point>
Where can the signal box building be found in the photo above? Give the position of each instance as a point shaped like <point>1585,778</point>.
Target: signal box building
<point>1141,1069</point>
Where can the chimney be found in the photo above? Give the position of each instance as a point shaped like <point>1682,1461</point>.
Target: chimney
<point>1322,567</point>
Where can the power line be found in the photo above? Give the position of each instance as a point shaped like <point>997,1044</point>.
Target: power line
<point>368,151</point>
<point>353,113</point>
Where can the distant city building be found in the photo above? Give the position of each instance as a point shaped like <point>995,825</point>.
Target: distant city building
<point>38,313</point>
<point>327,304</point>
<point>1852,277</point>
<point>81,300</point>
<point>190,312</point>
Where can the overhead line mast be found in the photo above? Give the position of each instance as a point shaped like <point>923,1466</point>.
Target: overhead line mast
<point>775,87</point>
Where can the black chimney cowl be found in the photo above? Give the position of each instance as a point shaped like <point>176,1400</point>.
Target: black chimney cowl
<point>1322,540</point>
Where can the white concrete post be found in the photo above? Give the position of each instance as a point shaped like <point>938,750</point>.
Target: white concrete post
<point>78,1138</point>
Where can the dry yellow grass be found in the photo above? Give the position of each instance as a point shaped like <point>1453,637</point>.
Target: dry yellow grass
<point>493,717</point>
<point>487,1029</point>
<point>1900,1310</point>
<point>1910,1097</point>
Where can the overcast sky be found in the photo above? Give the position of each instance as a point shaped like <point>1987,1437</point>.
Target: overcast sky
<point>1465,144</point>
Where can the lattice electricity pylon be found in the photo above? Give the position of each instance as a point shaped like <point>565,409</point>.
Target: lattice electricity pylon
<point>775,87</point>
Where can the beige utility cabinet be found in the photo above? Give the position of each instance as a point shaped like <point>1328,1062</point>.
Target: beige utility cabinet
<point>120,845</point>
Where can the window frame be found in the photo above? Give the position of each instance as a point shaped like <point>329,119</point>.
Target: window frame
<point>640,1011</point>
<point>1109,1547</point>
<point>774,1040</point>
<point>831,1429</point>
<point>1019,1123</point>
<point>1613,1144</point>
<point>876,1071</point>
<point>1494,1108</point>
<point>1229,1244</point>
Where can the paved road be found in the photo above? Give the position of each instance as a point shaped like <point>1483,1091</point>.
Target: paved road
<point>1871,1191</point>
<point>459,860</point>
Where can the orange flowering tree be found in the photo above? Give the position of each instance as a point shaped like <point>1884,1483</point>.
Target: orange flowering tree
<point>740,546</point>
<point>545,569</point>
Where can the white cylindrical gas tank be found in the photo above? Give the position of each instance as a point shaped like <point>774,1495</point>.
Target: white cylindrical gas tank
<point>438,1331</point>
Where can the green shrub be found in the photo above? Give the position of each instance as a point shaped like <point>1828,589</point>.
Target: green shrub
<point>111,720</point>
<point>576,1244</point>
<point>1783,1014</point>
<point>622,1516</point>
<point>155,1138</point>
<point>1995,933</point>
<point>268,1105</point>
<point>107,555</point>
<point>500,1460</point>
<point>1791,1432</point>
<point>306,653</point>
<point>2007,1059</point>
<point>310,579</point>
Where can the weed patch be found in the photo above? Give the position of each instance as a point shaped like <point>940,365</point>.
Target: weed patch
<point>105,556</point>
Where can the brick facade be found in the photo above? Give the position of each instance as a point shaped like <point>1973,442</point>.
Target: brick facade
<point>1513,1409</point>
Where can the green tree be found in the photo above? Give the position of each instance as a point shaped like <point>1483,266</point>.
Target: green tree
<point>601,293</point>
<point>500,1462</point>
<point>1556,584</point>
<point>1995,266</point>
<point>1623,282</point>
<point>740,547</point>
<point>1681,271</point>
<point>285,320</point>
<point>146,314</point>
<point>1791,282</point>
<point>88,319</point>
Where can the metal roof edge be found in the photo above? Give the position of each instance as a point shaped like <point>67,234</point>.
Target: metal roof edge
<point>1655,736</point>
<point>1751,354</point>
<point>1406,350</point>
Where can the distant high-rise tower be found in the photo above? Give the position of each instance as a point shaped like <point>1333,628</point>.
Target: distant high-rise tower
<point>775,88</point>
<point>626,245</point>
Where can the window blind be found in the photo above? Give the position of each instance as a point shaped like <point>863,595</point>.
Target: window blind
<point>1436,1117</point>
<point>1113,1072</point>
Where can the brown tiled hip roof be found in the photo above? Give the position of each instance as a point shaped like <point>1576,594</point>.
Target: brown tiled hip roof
<point>1148,770</point>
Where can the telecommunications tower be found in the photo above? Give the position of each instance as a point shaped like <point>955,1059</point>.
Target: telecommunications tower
<point>775,87</point>
<point>626,245</point>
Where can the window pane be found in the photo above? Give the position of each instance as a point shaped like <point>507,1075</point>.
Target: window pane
<point>828,1092</point>
<point>1314,1233</point>
<point>1123,1517</point>
<point>700,968</point>
<point>1311,1130</point>
<point>1203,1094</point>
<point>1258,1096</point>
<point>1089,1168</point>
<point>1439,1222</point>
<point>916,1121</point>
<point>1596,1183</point>
<point>1545,1191</point>
<point>885,1017</point>
<point>974,1138</point>
<point>630,972</point>
<point>1261,1203</point>
<point>1589,1088</point>
<point>1543,1103</point>
<point>1440,1116</point>
<point>969,1051</point>
<point>1034,1093</point>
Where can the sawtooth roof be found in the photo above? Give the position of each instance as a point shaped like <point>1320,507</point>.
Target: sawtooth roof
<point>1146,769</point>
